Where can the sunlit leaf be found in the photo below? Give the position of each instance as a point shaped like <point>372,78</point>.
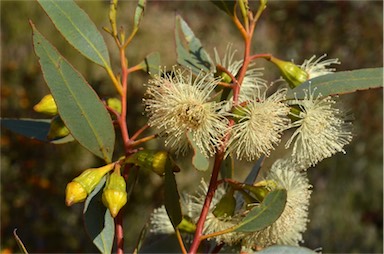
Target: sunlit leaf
<point>33,128</point>
<point>228,6</point>
<point>78,104</point>
<point>151,63</point>
<point>78,29</point>
<point>171,196</point>
<point>264,214</point>
<point>98,221</point>
<point>199,161</point>
<point>342,82</point>
<point>285,249</point>
<point>139,12</point>
<point>190,52</point>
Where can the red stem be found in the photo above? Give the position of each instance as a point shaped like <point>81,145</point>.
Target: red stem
<point>207,202</point>
<point>119,233</point>
<point>123,118</point>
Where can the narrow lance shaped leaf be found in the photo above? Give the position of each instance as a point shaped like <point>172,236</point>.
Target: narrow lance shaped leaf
<point>98,221</point>
<point>33,128</point>
<point>265,214</point>
<point>78,29</point>
<point>228,6</point>
<point>171,196</point>
<point>190,52</point>
<point>342,82</point>
<point>139,13</point>
<point>78,104</point>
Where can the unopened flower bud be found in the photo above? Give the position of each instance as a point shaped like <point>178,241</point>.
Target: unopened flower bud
<point>47,105</point>
<point>115,194</point>
<point>226,206</point>
<point>149,159</point>
<point>292,73</point>
<point>115,104</point>
<point>187,226</point>
<point>91,177</point>
<point>74,193</point>
<point>57,129</point>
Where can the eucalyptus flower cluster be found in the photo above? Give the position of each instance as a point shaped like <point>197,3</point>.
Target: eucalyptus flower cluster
<point>188,109</point>
<point>191,111</point>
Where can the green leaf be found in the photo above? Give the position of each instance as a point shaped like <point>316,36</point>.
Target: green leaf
<point>228,6</point>
<point>78,104</point>
<point>98,221</point>
<point>190,52</point>
<point>340,83</point>
<point>171,196</point>
<point>33,128</point>
<point>199,161</point>
<point>151,64</point>
<point>78,29</point>
<point>284,249</point>
<point>139,12</point>
<point>265,214</point>
<point>227,169</point>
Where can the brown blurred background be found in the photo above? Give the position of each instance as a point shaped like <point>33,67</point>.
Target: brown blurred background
<point>347,202</point>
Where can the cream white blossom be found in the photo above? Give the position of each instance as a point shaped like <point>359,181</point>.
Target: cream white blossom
<point>178,104</point>
<point>288,228</point>
<point>318,67</point>
<point>252,81</point>
<point>260,124</point>
<point>322,130</point>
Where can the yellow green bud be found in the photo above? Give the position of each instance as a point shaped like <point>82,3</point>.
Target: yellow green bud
<point>47,105</point>
<point>149,159</point>
<point>92,176</point>
<point>226,206</point>
<point>75,193</point>
<point>57,129</point>
<point>115,194</point>
<point>186,225</point>
<point>292,73</point>
<point>262,188</point>
<point>115,104</point>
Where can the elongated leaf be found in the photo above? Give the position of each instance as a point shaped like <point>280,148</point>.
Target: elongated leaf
<point>139,12</point>
<point>340,83</point>
<point>151,63</point>
<point>264,214</point>
<point>284,249</point>
<point>33,128</point>
<point>98,220</point>
<point>78,29</point>
<point>228,6</point>
<point>78,104</point>
<point>199,161</point>
<point>171,196</point>
<point>227,169</point>
<point>190,52</point>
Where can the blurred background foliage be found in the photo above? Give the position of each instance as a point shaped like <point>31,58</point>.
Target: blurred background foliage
<point>347,202</point>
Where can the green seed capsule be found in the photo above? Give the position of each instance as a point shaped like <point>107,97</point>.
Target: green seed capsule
<point>115,104</point>
<point>150,159</point>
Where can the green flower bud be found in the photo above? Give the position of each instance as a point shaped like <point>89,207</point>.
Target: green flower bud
<point>92,176</point>
<point>149,159</point>
<point>292,73</point>
<point>186,225</point>
<point>226,206</point>
<point>74,193</point>
<point>115,194</point>
<point>57,129</point>
<point>115,104</point>
<point>47,105</point>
